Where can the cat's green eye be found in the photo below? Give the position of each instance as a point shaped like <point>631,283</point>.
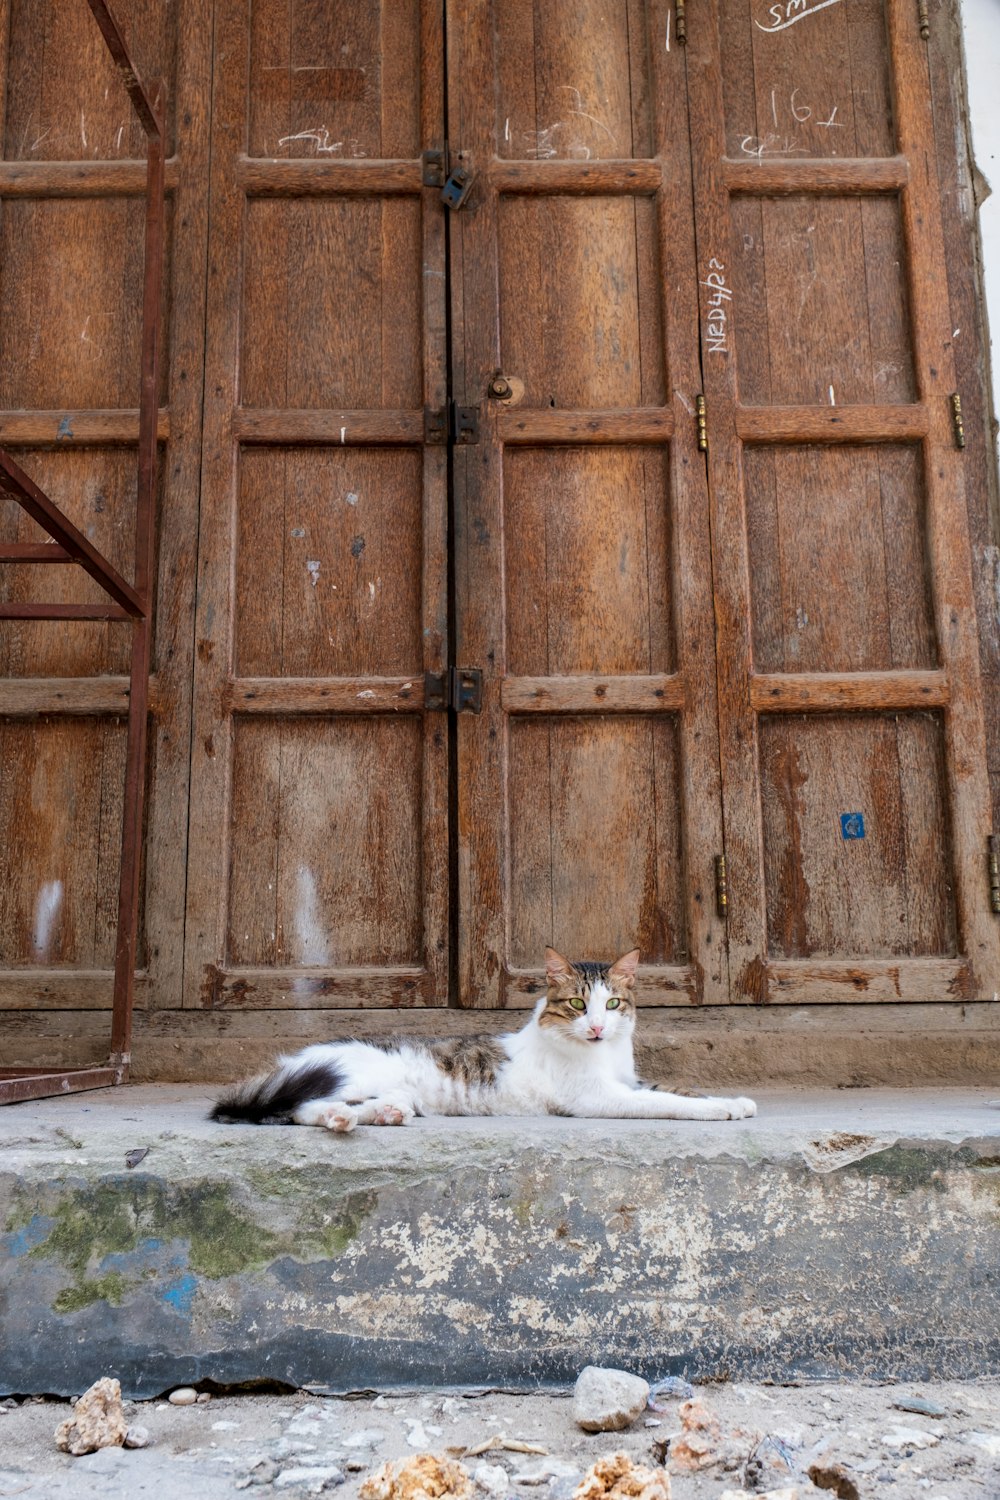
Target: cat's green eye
<point>613,1003</point>
<point>578,1002</point>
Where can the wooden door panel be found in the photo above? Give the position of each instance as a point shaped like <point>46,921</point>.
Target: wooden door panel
<point>320,866</point>
<point>855,834</point>
<point>822,89</point>
<point>837,559</point>
<point>588,792</point>
<point>873,880</point>
<point>595,838</point>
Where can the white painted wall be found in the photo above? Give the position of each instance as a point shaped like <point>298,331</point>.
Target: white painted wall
<point>981,25</point>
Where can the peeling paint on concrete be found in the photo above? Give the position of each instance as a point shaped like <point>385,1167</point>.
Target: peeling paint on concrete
<point>473,1252</point>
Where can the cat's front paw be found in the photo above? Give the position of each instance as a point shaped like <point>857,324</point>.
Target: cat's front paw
<point>741,1109</point>
<point>387,1113</point>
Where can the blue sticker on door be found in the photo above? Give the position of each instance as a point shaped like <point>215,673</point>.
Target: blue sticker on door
<point>852,825</point>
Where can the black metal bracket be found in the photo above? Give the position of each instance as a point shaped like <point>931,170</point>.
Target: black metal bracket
<point>460,688</point>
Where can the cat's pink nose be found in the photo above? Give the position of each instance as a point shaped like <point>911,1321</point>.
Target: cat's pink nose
<point>596,1032</point>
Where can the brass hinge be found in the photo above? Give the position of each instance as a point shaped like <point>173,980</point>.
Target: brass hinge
<point>699,406</point>
<point>924,19</point>
<point>993,847</point>
<point>721,887</point>
<point>956,420</point>
<point>681,25</point>
<point>460,688</point>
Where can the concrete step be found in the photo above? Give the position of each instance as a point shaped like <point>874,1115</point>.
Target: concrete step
<point>843,1233</point>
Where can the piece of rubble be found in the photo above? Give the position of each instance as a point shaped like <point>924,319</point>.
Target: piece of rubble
<point>314,1478</point>
<point>835,1477</point>
<point>423,1477</point>
<point>789,1492</point>
<point>184,1395</point>
<point>920,1405</point>
<point>989,1442</point>
<point>549,1472</point>
<point>608,1400</point>
<point>697,1447</point>
<point>137,1437</point>
<point>98,1420</point>
<point>909,1437</point>
<point>673,1387</point>
<point>492,1479</point>
<point>770,1464</point>
<point>616,1477</point>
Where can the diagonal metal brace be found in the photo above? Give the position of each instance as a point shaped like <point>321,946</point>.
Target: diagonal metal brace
<point>18,486</point>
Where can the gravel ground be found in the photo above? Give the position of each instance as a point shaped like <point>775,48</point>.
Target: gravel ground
<point>298,1445</point>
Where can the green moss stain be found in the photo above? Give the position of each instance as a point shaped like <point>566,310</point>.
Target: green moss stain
<point>906,1169</point>
<point>142,1220</point>
<point>111,1288</point>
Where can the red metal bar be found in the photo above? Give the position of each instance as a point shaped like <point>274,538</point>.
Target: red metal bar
<point>138,714</point>
<point>146,106</point>
<point>35,1085</point>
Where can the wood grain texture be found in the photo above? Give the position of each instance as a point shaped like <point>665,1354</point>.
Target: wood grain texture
<point>587,694</point>
<point>321,839</point>
<point>73,428</point>
<point>832,424</point>
<point>784,692</point>
<point>80,179</point>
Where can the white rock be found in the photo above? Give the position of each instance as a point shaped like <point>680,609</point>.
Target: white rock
<point>909,1437</point>
<point>368,1437</point>
<point>183,1396</point>
<point>608,1400</point>
<point>493,1478</point>
<point>988,1441</point>
<point>137,1437</point>
<point>313,1479</point>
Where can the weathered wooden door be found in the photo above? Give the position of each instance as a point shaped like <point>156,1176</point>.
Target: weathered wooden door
<point>853,747</point>
<point>318,845</point>
<point>762,649</point>
<point>588,793</point>
<point>781,163</point>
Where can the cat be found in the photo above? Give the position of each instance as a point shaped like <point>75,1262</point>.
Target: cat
<point>574,1057</point>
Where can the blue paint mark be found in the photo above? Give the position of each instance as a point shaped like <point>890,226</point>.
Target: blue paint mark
<point>852,825</point>
<point>65,429</point>
<point>180,1295</point>
<point>21,1241</point>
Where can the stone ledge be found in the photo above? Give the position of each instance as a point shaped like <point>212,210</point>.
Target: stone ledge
<point>847,1233</point>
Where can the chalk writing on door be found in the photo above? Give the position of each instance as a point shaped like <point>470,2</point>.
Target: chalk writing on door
<point>719,294</point>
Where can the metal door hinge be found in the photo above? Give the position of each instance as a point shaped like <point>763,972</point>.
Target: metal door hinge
<point>924,19</point>
<point>721,887</point>
<point>455,182</point>
<point>956,420</point>
<point>699,407</point>
<point>680,26</point>
<point>460,688</point>
<point>451,424</point>
<point>993,855</point>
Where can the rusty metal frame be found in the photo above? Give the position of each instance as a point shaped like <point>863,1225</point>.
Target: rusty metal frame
<point>129,602</point>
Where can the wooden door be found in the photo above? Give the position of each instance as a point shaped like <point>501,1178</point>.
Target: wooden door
<point>588,796</point>
<point>319,859</point>
<point>853,751</point>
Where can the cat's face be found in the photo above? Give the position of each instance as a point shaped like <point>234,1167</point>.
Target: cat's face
<point>589,1003</point>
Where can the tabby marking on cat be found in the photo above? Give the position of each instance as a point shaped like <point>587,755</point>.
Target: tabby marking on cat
<point>574,1057</point>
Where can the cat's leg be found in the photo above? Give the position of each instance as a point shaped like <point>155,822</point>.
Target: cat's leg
<point>332,1114</point>
<point>618,1101</point>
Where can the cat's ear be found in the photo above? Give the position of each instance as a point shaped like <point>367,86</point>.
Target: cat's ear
<point>623,969</point>
<point>556,967</point>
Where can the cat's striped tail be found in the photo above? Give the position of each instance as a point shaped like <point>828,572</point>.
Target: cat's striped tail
<point>273,1098</point>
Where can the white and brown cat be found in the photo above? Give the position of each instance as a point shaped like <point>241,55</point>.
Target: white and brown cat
<point>574,1057</point>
